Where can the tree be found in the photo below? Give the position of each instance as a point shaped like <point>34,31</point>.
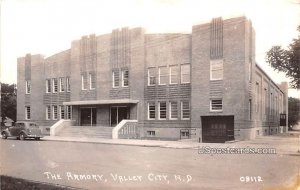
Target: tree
<point>294,111</point>
<point>8,101</point>
<point>287,60</point>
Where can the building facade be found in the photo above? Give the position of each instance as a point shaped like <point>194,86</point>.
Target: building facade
<point>205,83</point>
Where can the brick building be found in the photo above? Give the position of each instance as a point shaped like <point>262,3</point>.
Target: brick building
<point>205,84</point>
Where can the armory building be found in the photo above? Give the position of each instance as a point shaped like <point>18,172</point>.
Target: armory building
<point>205,84</point>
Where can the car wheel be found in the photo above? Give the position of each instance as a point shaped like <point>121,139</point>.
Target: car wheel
<point>4,135</point>
<point>22,136</point>
<point>37,138</point>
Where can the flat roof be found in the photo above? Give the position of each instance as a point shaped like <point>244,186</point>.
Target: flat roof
<point>101,102</point>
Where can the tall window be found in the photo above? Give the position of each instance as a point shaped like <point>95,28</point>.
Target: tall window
<point>62,112</point>
<point>69,112</point>
<point>54,111</point>
<point>257,97</point>
<point>55,85</point>
<point>174,74</point>
<point>216,105</point>
<point>115,76</point>
<point>151,110</point>
<point>185,110</point>
<point>125,78</point>
<point>83,82</point>
<point>173,110</point>
<point>48,112</point>
<point>185,73</point>
<point>27,113</point>
<point>48,86</point>
<point>28,87</point>
<point>216,69</point>
<point>163,75</point>
<point>151,77</point>
<point>250,109</point>
<point>68,84</point>
<point>162,110</point>
<point>61,84</point>
<point>92,78</point>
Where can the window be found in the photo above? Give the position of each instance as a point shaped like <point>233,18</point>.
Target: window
<point>28,87</point>
<point>55,85</point>
<point>216,105</point>
<point>54,111</point>
<point>216,69</point>
<point>151,110</point>
<point>173,110</point>
<point>163,75</point>
<point>68,84</point>
<point>69,112</point>
<point>185,110</point>
<point>27,113</point>
<point>115,76</point>
<point>62,112</point>
<point>83,82</point>
<point>257,97</point>
<point>151,77</point>
<point>61,84</point>
<point>125,77</point>
<point>92,81</point>
<point>185,73</point>
<point>162,110</point>
<point>174,74</point>
<point>48,112</point>
<point>151,133</point>
<point>48,85</point>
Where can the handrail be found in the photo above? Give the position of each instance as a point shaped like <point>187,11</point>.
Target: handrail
<point>54,129</point>
<point>119,128</point>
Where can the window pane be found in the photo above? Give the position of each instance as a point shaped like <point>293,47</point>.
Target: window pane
<point>115,79</point>
<point>162,110</point>
<point>55,85</point>
<point>151,110</point>
<point>48,86</point>
<point>173,110</point>
<point>69,112</point>
<point>62,112</point>
<point>185,73</point>
<point>174,74</point>
<point>28,87</point>
<point>48,112</point>
<point>216,105</point>
<point>68,84</point>
<point>216,69</point>
<point>125,75</point>
<point>27,112</point>
<point>185,109</point>
<point>92,80</point>
<point>54,112</point>
<point>62,84</point>
<point>163,75</point>
<point>151,76</point>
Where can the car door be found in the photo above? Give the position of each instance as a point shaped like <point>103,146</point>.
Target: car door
<point>14,129</point>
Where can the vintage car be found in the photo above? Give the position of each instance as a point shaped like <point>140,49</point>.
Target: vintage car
<point>23,130</point>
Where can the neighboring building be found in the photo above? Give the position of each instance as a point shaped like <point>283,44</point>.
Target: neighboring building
<point>206,80</point>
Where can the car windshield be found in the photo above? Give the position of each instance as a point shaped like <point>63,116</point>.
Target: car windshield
<point>33,125</point>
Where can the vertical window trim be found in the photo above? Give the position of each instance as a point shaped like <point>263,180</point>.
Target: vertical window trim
<point>181,106</point>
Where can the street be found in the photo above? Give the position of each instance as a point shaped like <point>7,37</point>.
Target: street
<point>101,166</point>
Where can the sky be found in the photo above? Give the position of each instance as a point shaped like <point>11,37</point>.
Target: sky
<point>49,26</point>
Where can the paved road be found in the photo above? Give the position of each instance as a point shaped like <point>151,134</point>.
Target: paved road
<point>118,166</point>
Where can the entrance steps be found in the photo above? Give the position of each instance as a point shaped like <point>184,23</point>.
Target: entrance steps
<point>86,131</point>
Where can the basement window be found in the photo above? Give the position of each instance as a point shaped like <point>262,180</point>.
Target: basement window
<point>151,133</point>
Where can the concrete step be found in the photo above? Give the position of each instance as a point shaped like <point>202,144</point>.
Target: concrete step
<point>86,131</point>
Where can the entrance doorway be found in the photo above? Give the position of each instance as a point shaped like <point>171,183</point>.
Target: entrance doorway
<point>88,116</point>
<point>217,129</point>
<point>118,113</point>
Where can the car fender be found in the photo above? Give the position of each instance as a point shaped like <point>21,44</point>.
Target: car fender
<point>7,132</point>
<point>24,132</point>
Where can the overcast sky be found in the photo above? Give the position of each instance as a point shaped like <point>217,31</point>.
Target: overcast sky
<point>48,26</point>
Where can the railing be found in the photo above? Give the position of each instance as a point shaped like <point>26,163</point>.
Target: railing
<point>126,129</point>
<point>54,129</point>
